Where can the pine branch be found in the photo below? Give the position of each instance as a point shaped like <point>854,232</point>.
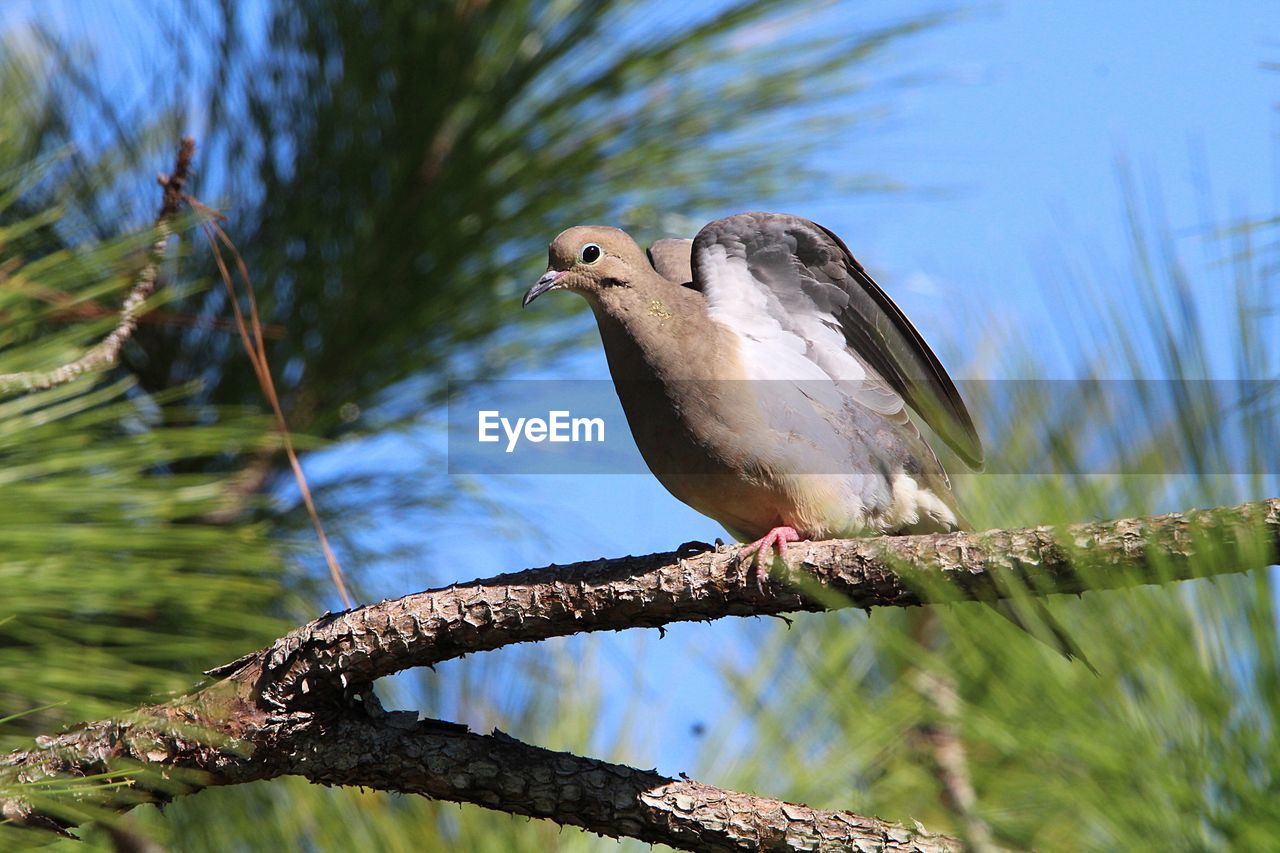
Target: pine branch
<point>106,353</point>
<point>304,706</point>
<point>397,752</point>
<point>362,645</point>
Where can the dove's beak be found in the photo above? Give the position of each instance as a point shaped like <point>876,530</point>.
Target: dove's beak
<point>548,281</point>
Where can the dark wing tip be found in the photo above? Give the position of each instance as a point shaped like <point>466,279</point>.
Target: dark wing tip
<point>969,448</point>
<point>946,413</point>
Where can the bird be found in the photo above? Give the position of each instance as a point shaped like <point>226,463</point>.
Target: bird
<point>768,382</point>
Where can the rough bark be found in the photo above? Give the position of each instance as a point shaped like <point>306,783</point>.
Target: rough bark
<point>372,748</point>
<point>302,706</point>
<point>359,646</point>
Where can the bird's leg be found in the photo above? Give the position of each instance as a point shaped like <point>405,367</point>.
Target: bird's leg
<point>763,549</point>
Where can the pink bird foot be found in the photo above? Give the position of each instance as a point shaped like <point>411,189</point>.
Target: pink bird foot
<point>777,538</point>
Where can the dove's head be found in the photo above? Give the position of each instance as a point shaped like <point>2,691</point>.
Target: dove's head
<point>590,259</point>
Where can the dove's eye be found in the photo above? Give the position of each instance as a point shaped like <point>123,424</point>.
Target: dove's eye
<point>590,253</point>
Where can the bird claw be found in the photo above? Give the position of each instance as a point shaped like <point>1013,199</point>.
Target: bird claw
<point>777,538</point>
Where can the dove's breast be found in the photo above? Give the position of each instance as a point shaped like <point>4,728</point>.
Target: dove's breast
<point>752,454</point>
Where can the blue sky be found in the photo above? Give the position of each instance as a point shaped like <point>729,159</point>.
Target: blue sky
<point>1047,100</point>
<point>1017,140</point>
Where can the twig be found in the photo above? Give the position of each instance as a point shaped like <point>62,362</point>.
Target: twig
<point>939,734</point>
<point>76,311</point>
<point>951,760</point>
<point>106,353</point>
<point>252,337</point>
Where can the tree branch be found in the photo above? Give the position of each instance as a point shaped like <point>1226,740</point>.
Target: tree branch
<point>106,353</point>
<point>358,646</point>
<point>304,706</point>
<point>610,799</point>
<point>443,761</point>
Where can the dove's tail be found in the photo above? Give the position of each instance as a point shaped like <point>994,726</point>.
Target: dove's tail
<point>1049,631</point>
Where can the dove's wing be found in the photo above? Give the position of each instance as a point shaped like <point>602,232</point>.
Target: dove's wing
<point>804,308</point>
<point>673,259</point>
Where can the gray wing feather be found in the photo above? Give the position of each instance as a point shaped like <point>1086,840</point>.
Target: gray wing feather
<point>809,280</point>
<point>673,259</point>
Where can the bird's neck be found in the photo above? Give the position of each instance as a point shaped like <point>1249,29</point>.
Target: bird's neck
<point>662,331</point>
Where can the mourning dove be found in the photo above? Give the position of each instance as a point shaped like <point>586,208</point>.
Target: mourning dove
<point>767,379</point>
